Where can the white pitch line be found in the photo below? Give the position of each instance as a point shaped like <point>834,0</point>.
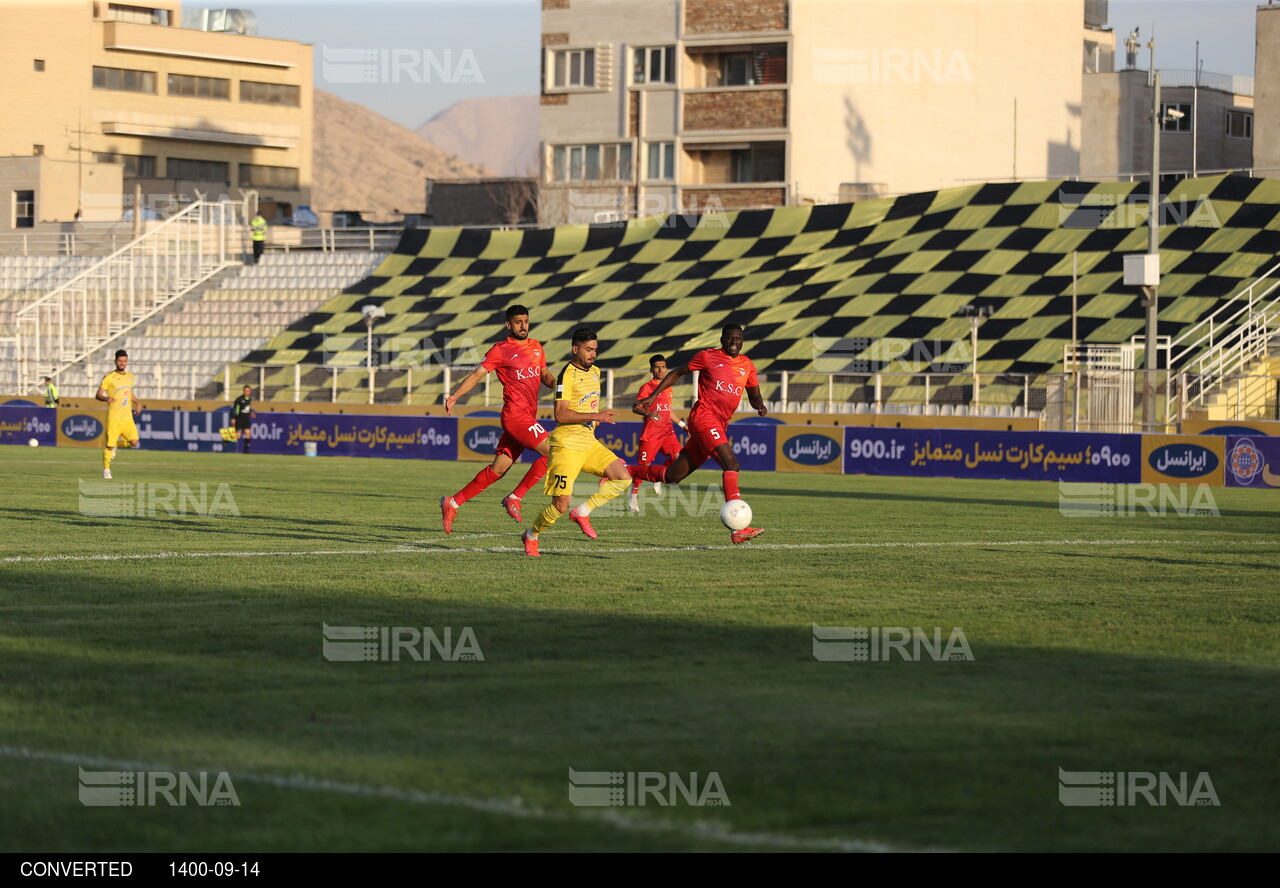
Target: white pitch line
<point>702,831</point>
<point>442,549</point>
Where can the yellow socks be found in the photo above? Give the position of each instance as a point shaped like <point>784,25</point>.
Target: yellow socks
<point>545,520</point>
<point>608,490</point>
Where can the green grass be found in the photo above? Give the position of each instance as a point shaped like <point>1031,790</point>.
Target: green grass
<point>1121,644</point>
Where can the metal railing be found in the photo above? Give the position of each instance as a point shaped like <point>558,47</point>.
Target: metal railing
<point>997,394</point>
<point>111,297</point>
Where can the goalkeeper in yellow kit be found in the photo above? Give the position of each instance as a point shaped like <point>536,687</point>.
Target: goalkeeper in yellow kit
<point>122,407</point>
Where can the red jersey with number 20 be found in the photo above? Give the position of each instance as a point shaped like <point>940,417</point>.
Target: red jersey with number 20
<point>519,364</point>
<point>722,380</point>
<point>662,405</point>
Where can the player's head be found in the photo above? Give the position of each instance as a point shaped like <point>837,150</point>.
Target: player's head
<point>731,340</point>
<point>247,389</point>
<point>122,359</point>
<point>658,366</point>
<point>48,379</point>
<point>584,347</point>
<point>518,322</point>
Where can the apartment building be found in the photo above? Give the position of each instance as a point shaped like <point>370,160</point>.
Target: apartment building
<point>174,105</point>
<point>694,105</point>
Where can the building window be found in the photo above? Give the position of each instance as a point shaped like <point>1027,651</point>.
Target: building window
<point>124,79</point>
<point>137,15</point>
<point>1173,123</point>
<point>188,87</point>
<point>268,176</point>
<point>24,209</point>
<point>573,67</point>
<point>208,170</point>
<point>135,165</point>
<point>1239,125</point>
<point>269,93</point>
<point>655,64</point>
<point>38,64</point>
<point>591,163</point>
<point>662,161</point>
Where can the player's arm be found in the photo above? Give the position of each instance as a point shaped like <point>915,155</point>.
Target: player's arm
<point>753,396</point>
<point>672,377</point>
<point>137,408</point>
<point>640,411</point>
<point>102,394</point>
<point>473,378</point>
<point>548,378</point>
<point>566,414</point>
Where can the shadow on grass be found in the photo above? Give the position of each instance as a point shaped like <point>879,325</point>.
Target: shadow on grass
<point>959,754</point>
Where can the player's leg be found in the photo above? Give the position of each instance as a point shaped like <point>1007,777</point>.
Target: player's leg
<point>563,467</point>
<point>671,449</point>
<point>642,460</point>
<point>729,462</point>
<point>533,437</point>
<point>603,462</point>
<point>248,438</point>
<point>693,454</point>
<point>509,450</point>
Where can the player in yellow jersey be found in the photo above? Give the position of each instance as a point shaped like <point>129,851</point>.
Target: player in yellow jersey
<point>122,407</point>
<point>574,448</point>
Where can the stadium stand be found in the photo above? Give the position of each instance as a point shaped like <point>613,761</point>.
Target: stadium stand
<point>237,313</point>
<point>821,288</point>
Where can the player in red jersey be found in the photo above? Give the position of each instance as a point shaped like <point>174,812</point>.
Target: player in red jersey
<point>522,368</point>
<point>658,437</point>
<point>724,374</point>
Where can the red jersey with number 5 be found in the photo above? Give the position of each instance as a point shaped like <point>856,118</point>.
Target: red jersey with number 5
<point>722,380</point>
<point>519,364</point>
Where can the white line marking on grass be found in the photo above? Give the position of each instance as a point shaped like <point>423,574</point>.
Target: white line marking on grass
<point>702,830</point>
<point>441,548</point>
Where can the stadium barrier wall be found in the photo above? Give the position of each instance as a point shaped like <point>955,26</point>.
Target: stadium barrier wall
<point>1251,459</point>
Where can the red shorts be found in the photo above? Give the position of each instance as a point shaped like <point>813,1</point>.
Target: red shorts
<point>518,434</point>
<point>704,437</point>
<point>661,441</point>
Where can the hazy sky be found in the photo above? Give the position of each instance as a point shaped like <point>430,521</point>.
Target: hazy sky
<point>494,44</point>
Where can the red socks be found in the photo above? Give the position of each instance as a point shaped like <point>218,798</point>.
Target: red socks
<point>648,473</point>
<point>731,486</point>
<point>483,479</point>
<point>531,477</point>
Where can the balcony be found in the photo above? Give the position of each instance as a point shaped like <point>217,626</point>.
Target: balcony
<point>740,65</point>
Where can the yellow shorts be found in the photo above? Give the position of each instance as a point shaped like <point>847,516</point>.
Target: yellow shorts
<point>564,465</point>
<point>121,428</point>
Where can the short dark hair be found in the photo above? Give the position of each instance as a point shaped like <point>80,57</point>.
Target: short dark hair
<point>655,359</point>
<point>48,379</point>
<point>121,353</point>
<point>583,334</point>
<point>729,328</point>
<point>516,311</point>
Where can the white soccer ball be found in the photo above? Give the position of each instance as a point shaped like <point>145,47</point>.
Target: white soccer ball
<point>33,443</point>
<point>736,515</point>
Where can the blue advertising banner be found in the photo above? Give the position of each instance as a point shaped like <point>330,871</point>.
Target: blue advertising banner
<point>183,429</point>
<point>1253,462</point>
<point>964,453</point>
<point>19,424</point>
<point>402,437</point>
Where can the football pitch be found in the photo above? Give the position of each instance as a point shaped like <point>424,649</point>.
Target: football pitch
<point>1125,647</point>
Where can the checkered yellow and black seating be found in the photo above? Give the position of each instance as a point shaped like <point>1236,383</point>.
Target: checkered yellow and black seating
<point>817,287</point>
